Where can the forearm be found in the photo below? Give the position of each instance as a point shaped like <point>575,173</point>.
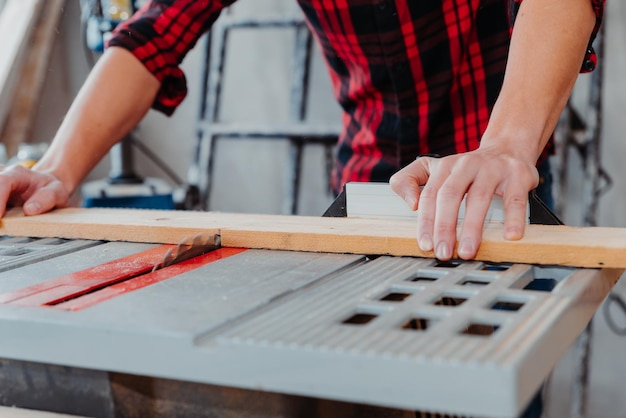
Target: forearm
<point>547,48</point>
<point>116,96</point>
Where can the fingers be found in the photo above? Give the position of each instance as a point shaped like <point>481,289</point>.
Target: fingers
<point>406,182</point>
<point>476,176</point>
<point>515,197</point>
<point>5,194</point>
<point>442,198</point>
<point>477,203</point>
<point>45,199</point>
<point>11,186</point>
<point>38,192</point>
<point>515,212</point>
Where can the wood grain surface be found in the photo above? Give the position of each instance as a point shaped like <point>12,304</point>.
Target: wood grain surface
<point>542,244</point>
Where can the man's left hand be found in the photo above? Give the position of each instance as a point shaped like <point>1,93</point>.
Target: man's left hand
<point>476,176</point>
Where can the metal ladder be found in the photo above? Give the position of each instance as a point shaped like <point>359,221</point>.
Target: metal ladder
<point>296,131</point>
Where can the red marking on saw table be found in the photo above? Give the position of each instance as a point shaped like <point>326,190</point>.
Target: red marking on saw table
<point>79,290</point>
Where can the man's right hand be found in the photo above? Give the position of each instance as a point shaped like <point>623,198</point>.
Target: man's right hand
<point>35,191</point>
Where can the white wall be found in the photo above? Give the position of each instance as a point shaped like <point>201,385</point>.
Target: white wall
<point>613,205</point>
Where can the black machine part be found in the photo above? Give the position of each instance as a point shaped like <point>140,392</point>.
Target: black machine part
<point>540,214</point>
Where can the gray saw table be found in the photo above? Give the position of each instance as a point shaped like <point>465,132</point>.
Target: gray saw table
<point>87,329</point>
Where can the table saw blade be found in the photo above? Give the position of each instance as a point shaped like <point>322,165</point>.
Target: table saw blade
<point>188,248</point>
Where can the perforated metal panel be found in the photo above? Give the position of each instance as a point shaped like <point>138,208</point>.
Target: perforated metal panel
<point>467,338</point>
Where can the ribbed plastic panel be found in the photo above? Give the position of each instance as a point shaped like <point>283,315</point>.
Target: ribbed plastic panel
<point>447,326</point>
<point>20,251</point>
<point>409,308</point>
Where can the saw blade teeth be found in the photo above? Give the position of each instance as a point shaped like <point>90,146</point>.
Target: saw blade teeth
<point>199,243</point>
<point>197,240</point>
<point>166,257</point>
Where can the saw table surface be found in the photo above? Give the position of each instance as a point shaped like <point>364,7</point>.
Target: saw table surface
<point>403,332</point>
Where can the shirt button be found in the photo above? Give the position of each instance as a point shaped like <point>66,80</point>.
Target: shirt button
<point>382,5</point>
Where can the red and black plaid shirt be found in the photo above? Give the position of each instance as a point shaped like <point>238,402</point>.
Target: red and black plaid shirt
<point>412,77</point>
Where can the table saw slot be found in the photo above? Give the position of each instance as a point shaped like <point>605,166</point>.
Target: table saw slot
<point>75,292</point>
<point>448,299</point>
<point>422,279</point>
<point>131,284</point>
<point>394,296</point>
<point>359,318</point>
<point>54,241</point>
<point>478,278</point>
<point>448,264</point>
<point>470,281</point>
<point>425,277</point>
<point>17,252</point>
<point>507,304</point>
<point>86,281</point>
<point>542,278</point>
<point>541,285</point>
<point>419,323</point>
<point>496,266</point>
<point>22,240</point>
<point>480,329</point>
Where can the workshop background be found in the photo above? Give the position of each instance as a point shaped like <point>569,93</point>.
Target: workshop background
<point>250,174</point>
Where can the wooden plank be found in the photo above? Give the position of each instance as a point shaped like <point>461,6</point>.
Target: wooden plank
<point>17,19</point>
<point>19,121</point>
<point>542,244</point>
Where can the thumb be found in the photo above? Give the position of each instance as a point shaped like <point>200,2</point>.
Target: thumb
<point>46,199</point>
<point>406,182</point>
<point>32,207</point>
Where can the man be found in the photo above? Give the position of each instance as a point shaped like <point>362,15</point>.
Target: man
<point>413,77</point>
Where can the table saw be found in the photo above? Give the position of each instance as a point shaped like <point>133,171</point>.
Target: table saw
<point>86,324</point>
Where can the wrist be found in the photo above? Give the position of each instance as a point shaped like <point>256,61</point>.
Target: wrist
<point>520,146</point>
<point>520,135</point>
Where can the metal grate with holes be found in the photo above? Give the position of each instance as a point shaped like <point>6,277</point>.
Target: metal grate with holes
<point>462,338</point>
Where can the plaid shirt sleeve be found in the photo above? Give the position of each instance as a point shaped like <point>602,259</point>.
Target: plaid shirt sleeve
<point>591,59</point>
<point>160,34</point>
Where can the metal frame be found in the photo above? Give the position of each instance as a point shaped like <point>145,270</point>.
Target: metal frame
<point>297,132</point>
